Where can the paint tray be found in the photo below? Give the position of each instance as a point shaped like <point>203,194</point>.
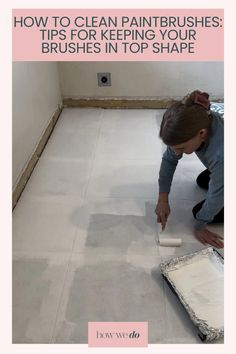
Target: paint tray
<point>198,281</point>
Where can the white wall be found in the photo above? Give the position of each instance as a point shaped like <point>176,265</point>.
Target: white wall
<point>36,95</point>
<point>141,79</point>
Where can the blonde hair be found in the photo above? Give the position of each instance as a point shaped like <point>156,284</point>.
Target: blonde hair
<point>184,119</point>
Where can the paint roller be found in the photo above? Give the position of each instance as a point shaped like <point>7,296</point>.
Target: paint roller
<point>167,241</point>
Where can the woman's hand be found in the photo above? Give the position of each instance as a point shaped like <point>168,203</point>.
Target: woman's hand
<point>207,237</point>
<point>162,211</point>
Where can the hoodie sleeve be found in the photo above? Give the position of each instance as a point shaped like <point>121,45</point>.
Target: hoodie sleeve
<point>214,200</point>
<point>168,165</point>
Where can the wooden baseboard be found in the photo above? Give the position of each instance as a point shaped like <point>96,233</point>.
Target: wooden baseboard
<point>121,103</point>
<point>118,103</point>
<point>34,159</point>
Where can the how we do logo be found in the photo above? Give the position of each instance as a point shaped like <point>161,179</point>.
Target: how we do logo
<point>118,334</point>
<point>110,335</point>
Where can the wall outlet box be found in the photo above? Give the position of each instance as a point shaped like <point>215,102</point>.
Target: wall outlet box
<point>104,79</point>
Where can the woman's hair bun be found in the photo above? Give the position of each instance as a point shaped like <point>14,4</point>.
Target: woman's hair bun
<point>197,97</point>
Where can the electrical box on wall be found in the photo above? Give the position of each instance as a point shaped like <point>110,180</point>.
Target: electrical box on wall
<point>104,79</point>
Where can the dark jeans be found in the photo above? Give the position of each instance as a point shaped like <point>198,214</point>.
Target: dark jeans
<point>203,181</point>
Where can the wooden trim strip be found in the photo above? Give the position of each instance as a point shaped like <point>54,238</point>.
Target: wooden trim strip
<point>120,103</point>
<point>34,159</point>
<point>117,103</point>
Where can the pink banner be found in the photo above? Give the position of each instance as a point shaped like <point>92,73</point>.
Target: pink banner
<point>118,34</point>
<point>117,334</point>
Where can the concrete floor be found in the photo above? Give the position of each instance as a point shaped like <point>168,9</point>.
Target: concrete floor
<point>84,231</point>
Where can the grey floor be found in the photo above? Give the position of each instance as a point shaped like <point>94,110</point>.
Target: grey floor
<point>84,231</point>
